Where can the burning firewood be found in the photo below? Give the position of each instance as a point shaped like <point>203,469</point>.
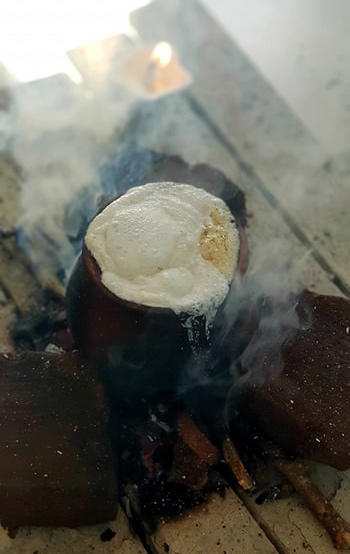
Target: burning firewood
<point>234,461</point>
<point>193,455</point>
<point>204,454</point>
<point>187,468</point>
<point>196,440</point>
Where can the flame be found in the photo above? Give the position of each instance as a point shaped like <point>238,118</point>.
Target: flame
<point>162,53</point>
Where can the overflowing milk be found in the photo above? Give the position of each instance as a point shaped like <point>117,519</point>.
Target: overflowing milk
<point>167,245</point>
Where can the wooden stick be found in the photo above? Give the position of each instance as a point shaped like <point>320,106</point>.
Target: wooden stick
<point>207,452</point>
<point>321,508</point>
<point>196,440</point>
<point>337,527</point>
<point>233,459</point>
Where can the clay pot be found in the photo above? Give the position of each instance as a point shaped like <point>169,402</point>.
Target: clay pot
<point>139,348</point>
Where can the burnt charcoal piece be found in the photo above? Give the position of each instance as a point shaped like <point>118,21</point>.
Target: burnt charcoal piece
<point>166,466</point>
<point>37,327</point>
<point>144,468</point>
<point>56,463</point>
<point>107,535</point>
<point>269,495</point>
<point>302,400</point>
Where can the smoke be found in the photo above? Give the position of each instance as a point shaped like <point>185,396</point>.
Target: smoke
<point>6,115</point>
<point>265,300</point>
<point>68,140</point>
<point>60,133</point>
<point>258,317</point>
<point>267,294</point>
<point>64,136</point>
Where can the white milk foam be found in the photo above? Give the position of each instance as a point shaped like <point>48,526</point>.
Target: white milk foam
<point>167,245</point>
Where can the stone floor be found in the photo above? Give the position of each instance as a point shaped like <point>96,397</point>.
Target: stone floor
<point>302,49</point>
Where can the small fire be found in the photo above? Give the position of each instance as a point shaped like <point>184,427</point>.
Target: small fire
<point>162,54</point>
<point>154,71</point>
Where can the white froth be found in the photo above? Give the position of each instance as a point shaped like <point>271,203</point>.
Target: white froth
<point>154,246</point>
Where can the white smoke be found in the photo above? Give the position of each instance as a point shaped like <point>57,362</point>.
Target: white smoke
<point>270,287</point>
<point>58,131</point>
<point>61,133</point>
<point>6,116</point>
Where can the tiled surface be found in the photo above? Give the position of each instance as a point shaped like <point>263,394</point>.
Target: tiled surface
<point>31,540</point>
<point>302,48</point>
<point>213,529</point>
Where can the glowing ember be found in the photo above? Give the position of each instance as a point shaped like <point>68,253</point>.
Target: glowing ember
<point>162,54</point>
<point>154,72</point>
